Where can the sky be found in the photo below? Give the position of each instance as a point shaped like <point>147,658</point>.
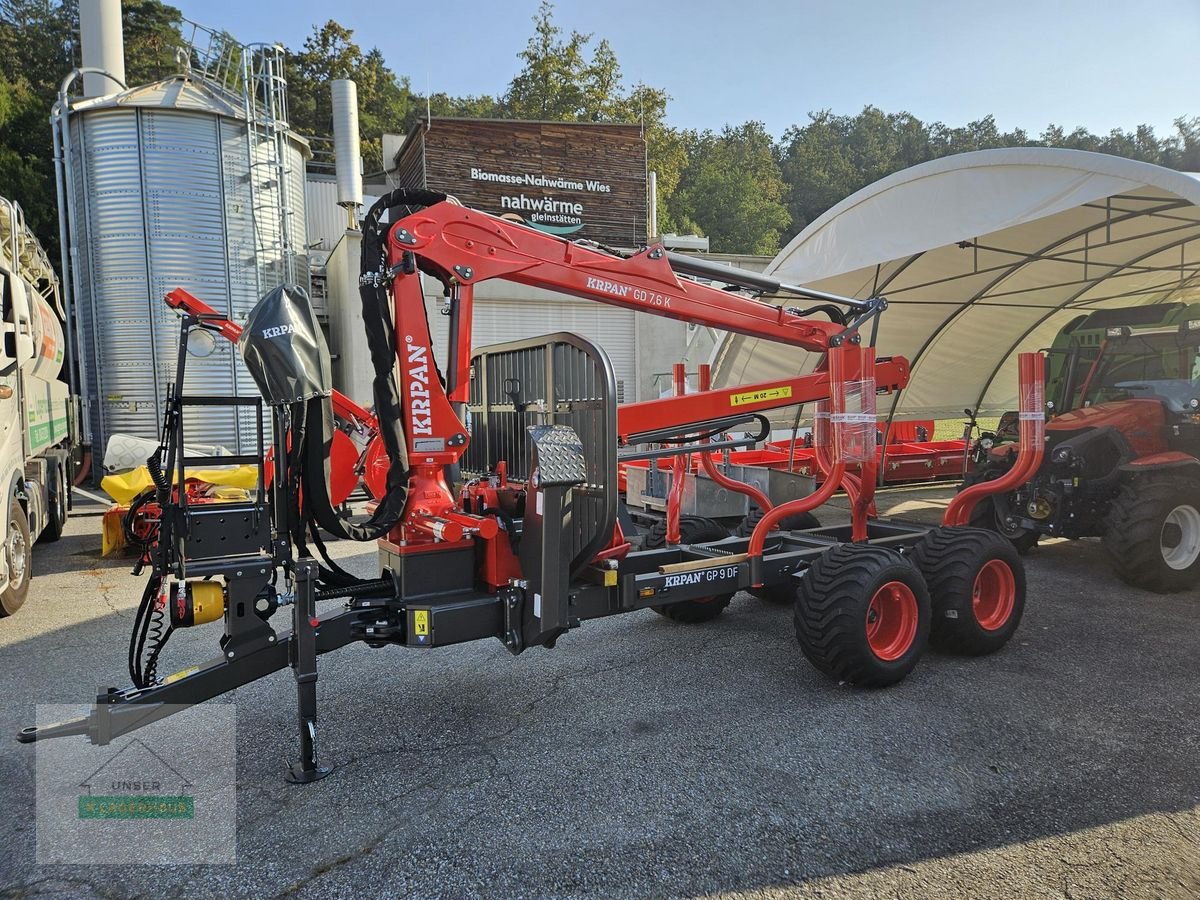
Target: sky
<point>1102,64</point>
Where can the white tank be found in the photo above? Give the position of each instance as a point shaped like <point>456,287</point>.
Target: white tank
<point>21,253</point>
<point>49,345</point>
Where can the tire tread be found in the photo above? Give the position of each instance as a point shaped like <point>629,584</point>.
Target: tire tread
<point>1132,533</point>
<point>693,530</point>
<point>950,557</point>
<point>830,613</point>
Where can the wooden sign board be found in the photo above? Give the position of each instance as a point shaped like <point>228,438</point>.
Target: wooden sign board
<point>577,180</point>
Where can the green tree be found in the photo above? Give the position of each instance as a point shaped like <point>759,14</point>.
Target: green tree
<point>385,102</point>
<point>733,190</point>
<point>817,166</point>
<point>483,106</point>
<point>1182,150</point>
<point>833,156</point>
<point>39,45</point>
<point>152,40</point>
<point>560,81</point>
<point>553,84</point>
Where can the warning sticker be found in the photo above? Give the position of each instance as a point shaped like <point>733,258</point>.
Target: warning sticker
<point>181,674</point>
<point>421,621</point>
<point>775,393</point>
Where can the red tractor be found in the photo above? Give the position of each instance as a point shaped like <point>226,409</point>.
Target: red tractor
<point>1122,446</point>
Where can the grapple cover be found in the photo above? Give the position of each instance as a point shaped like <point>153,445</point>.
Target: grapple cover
<point>284,349</point>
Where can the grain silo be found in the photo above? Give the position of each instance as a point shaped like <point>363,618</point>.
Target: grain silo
<point>194,181</point>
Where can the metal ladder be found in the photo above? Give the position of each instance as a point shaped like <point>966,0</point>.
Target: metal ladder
<point>255,73</point>
<point>265,98</point>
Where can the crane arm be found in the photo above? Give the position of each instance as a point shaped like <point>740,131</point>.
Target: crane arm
<point>464,247</point>
<point>469,246</point>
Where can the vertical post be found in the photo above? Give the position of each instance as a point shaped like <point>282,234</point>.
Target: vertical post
<point>763,502</point>
<point>304,667</point>
<point>679,465</point>
<point>546,539</point>
<point>863,497</point>
<point>102,44</point>
<point>1031,373</point>
<point>343,93</point>
<point>462,312</point>
<point>835,360</point>
<point>652,190</point>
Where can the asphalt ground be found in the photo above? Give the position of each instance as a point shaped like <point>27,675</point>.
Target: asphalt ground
<point>645,758</point>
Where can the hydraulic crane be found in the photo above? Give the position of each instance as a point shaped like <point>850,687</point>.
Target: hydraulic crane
<point>497,510</point>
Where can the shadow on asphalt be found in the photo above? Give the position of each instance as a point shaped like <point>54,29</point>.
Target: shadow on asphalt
<point>73,553</point>
<point>643,757</point>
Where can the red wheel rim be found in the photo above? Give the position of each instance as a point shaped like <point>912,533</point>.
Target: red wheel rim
<point>892,620</point>
<point>994,595</point>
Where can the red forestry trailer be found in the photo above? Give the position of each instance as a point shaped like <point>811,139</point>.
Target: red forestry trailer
<point>499,515</point>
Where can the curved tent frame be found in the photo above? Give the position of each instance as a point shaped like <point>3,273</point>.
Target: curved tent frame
<point>984,255</point>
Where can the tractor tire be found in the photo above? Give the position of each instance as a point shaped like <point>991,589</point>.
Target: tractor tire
<point>984,515</point>
<point>692,530</point>
<point>779,593</point>
<point>1152,534</point>
<point>977,586</point>
<point>862,615</point>
<point>18,555</point>
<point>56,514</point>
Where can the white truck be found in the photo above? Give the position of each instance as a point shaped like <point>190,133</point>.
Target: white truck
<point>38,414</point>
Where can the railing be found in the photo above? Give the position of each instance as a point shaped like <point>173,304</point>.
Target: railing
<point>254,73</point>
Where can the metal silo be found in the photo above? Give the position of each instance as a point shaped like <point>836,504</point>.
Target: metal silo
<point>194,181</point>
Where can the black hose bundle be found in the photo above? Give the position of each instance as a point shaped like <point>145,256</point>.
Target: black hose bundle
<point>150,634</point>
<point>286,354</point>
<point>375,294</point>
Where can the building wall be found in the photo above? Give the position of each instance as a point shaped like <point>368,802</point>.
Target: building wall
<point>409,168</point>
<point>326,220</point>
<point>584,180</point>
<point>352,373</point>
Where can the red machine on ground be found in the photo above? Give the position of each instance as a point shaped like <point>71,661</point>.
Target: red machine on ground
<point>904,460</point>
<point>1122,454</point>
<point>500,514</point>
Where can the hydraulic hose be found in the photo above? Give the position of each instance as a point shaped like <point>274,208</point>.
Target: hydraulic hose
<point>375,294</point>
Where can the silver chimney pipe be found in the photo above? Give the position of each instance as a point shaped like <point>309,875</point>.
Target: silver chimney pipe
<point>102,44</point>
<point>652,190</point>
<point>346,147</point>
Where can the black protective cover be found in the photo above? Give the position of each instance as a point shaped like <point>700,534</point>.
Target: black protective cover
<point>284,349</point>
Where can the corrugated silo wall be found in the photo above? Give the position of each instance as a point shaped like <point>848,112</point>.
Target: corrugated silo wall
<point>163,201</point>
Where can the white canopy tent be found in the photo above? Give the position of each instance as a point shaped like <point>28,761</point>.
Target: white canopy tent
<point>983,255</point>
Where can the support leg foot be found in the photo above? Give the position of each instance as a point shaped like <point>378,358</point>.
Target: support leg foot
<point>300,774</point>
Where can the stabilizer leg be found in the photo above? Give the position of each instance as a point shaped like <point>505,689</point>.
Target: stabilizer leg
<point>304,666</point>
